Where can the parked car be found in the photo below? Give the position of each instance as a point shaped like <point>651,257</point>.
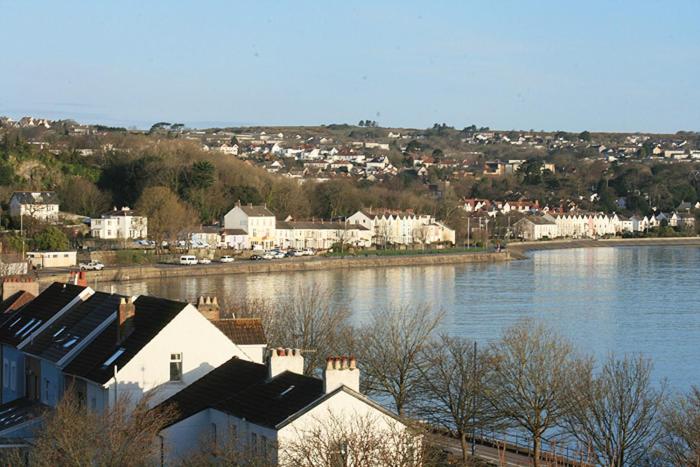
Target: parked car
<point>277,254</point>
<point>188,260</point>
<point>268,255</point>
<point>92,266</point>
<point>255,258</point>
<point>308,252</point>
<point>226,259</point>
<point>203,261</point>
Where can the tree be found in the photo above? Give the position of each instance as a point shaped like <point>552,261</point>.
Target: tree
<point>529,379</point>
<point>584,136</point>
<point>452,388</point>
<point>51,239</point>
<point>81,196</point>
<point>167,215</point>
<point>123,435</point>
<point>680,444</point>
<point>391,349</point>
<point>615,411</point>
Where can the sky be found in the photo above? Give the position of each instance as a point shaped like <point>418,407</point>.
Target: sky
<point>598,65</point>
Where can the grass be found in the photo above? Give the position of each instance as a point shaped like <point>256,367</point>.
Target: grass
<point>392,252</point>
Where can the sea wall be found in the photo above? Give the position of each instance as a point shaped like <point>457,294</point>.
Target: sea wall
<point>518,249</point>
<point>118,274</point>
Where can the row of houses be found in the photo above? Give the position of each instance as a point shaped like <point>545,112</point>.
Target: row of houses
<point>593,225</point>
<point>217,373</point>
<point>249,226</point>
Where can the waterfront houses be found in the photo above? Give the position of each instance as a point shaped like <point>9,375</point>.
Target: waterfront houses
<point>119,224</point>
<point>403,228</point>
<point>258,222</point>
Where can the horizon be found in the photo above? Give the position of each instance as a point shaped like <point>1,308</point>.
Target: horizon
<point>614,68</point>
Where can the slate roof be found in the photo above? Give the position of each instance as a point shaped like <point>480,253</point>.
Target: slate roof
<point>34,314</point>
<point>68,331</point>
<point>234,232</point>
<point>242,331</point>
<point>152,315</point>
<point>36,197</point>
<point>242,389</point>
<point>256,211</point>
<point>20,411</point>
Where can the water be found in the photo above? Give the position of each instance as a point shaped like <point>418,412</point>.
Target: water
<point>621,300</point>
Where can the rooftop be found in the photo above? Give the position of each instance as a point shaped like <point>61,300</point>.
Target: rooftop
<point>242,331</point>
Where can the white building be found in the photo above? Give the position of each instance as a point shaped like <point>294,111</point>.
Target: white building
<point>258,222</point>
<point>119,224</point>
<point>536,228</point>
<point>402,228</point>
<point>42,205</point>
<point>52,259</point>
<point>321,235</point>
<point>269,409</point>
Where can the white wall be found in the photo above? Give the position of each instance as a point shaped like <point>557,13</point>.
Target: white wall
<point>203,348</point>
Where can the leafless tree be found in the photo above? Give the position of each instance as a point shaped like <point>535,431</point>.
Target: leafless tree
<point>123,435</point>
<point>229,451</point>
<point>391,349</point>
<point>529,379</point>
<point>453,389</point>
<point>680,444</point>
<point>309,320</point>
<point>362,441</point>
<point>614,411</point>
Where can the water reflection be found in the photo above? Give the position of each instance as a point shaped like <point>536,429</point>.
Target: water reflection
<point>628,299</point>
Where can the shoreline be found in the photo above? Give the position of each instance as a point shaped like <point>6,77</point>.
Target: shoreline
<point>519,250</point>
<point>158,271</point>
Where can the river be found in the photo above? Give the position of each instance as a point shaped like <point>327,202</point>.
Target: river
<point>617,299</point>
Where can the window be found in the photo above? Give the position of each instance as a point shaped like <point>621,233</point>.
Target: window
<point>13,376</point>
<point>175,367</point>
<point>47,386</point>
<point>5,373</point>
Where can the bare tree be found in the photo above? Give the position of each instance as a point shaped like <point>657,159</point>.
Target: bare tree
<point>360,441</point>
<point>680,444</point>
<point>391,349</point>
<point>123,435</point>
<point>615,411</point>
<point>533,364</point>
<point>309,320</point>
<point>453,389</point>
<point>167,215</point>
<point>230,450</point>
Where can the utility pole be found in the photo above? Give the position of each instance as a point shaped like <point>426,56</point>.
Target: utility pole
<point>474,403</point>
<point>468,230</point>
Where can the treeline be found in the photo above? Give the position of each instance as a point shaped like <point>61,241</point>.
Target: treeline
<point>532,381</point>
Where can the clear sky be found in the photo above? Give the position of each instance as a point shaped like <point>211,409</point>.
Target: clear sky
<point>520,64</point>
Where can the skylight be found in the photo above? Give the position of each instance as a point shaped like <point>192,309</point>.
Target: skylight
<point>29,323</point>
<point>287,391</point>
<point>15,322</point>
<point>57,333</point>
<point>31,328</point>
<point>70,342</point>
<point>114,357</point>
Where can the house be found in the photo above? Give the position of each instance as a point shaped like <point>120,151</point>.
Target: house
<point>536,228</point>
<point>104,346</point>
<point>41,205</point>
<point>235,238</point>
<point>51,259</point>
<point>119,224</point>
<point>206,235</point>
<point>321,235</point>
<point>258,222</point>
<point>268,408</point>
<point>401,228</point>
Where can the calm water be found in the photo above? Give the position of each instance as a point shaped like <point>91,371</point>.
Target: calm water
<point>627,299</point>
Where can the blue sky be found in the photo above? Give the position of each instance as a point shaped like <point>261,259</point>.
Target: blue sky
<point>597,65</point>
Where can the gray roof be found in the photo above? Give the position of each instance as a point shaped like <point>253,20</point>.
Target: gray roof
<point>36,197</point>
<point>256,211</point>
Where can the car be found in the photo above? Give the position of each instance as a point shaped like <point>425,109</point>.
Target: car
<point>203,261</point>
<point>255,258</point>
<point>268,255</point>
<point>308,252</point>
<point>188,260</point>
<point>92,266</point>
<point>226,259</point>
<point>277,254</point>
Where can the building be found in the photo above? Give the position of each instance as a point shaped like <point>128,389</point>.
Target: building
<point>321,235</point>
<point>119,224</point>
<point>235,238</point>
<point>269,408</point>
<point>402,228</point>
<point>104,347</point>
<point>51,259</point>
<point>257,222</point>
<point>536,228</point>
<point>41,205</point>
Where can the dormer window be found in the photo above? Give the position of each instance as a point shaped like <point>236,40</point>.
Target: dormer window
<point>175,367</point>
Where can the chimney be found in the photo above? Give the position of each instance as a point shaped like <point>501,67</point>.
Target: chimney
<point>13,284</point>
<point>209,307</point>
<point>341,371</point>
<point>125,316</point>
<point>78,278</point>
<point>280,360</point>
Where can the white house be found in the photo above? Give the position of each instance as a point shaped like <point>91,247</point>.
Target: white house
<point>536,228</point>
<point>402,228</point>
<point>119,224</point>
<point>42,205</point>
<point>235,238</point>
<point>321,235</point>
<point>268,409</point>
<point>258,222</point>
<point>52,259</point>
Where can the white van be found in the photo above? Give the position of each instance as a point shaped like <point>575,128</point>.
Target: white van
<point>188,259</point>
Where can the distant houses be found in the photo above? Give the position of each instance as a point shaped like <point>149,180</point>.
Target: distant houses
<point>121,224</point>
<point>41,205</point>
